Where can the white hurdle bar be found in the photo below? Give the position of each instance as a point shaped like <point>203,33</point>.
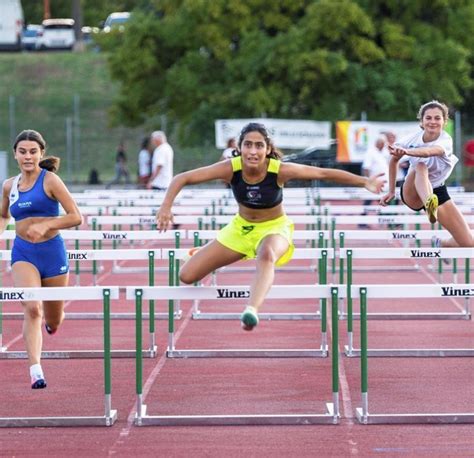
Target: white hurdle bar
<point>189,292</point>
<point>449,290</point>
<point>321,255</point>
<point>70,293</point>
<point>397,291</point>
<point>415,254</point>
<point>68,354</point>
<point>225,293</point>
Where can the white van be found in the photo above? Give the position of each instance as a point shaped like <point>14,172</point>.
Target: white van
<point>11,25</point>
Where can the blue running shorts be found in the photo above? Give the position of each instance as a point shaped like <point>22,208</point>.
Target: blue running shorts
<point>49,257</point>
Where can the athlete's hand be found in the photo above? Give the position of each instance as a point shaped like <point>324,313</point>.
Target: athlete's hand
<point>397,151</point>
<point>385,200</point>
<point>37,231</point>
<point>164,218</point>
<point>375,183</point>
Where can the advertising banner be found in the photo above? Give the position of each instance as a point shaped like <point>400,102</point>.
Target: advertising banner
<point>354,138</point>
<point>286,134</point>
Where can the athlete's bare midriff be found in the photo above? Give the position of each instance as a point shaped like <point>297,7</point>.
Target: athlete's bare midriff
<point>261,214</point>
<point>21,228</point>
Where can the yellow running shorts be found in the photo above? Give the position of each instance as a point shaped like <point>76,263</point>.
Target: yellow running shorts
<point>244,236</point>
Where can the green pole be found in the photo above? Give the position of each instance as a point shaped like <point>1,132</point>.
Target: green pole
<point>341,261</point>
<point>349,296</point>
<point>467,274</point>
<point>151,282</point>
<point>94,247</point>
<point>323,281</point>
<point>418,242</point>
<point>171,301</point>
<point>177,264</point>
<point>107,352</point>
<point>333,244</point>
<point>363,339</point>
<point>335,340</point>
<point>138,337</point>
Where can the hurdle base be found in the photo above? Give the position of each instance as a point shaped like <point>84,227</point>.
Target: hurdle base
<point>416,418</point>
<point>99,316</point>
<point>22,422</point>
<point>409,316</point>
<point>243,353</point>
<point>413,352</point>
<point>237,420</point>
<point>262,316</point>
<point>80,354</point>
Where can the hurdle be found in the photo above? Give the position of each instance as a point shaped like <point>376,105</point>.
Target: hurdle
<point>70,293</point>
<point>101,255</point>
<point>402,253</point>
<point>414,254</point>
<point>395,291</point>
<point>332,414</point>
<point>225,293</point>
<point>448,290</point>
<point>321,255</point>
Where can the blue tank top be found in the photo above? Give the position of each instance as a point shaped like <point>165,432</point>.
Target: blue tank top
<point>266,194</point>
<point>32,203</point>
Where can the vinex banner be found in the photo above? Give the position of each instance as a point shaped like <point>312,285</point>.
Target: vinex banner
<point>286,133</point>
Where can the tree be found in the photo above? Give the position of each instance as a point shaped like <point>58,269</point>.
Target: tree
<point>195,61</point>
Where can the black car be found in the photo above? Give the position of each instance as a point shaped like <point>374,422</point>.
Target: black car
<point>318,157</point>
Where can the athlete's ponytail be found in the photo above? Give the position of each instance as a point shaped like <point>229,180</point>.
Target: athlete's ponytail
<point>50,163</point>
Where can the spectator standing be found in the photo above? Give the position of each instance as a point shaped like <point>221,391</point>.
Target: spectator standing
<point>231,149</point>
<point>375,163</point>
<point>121,168</point>
<point>161,163</point>
<point>144,162</point>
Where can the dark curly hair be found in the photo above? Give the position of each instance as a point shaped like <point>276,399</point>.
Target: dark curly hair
<point>257,127</point>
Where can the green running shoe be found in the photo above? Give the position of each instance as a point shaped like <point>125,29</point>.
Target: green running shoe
<point>249,318</point>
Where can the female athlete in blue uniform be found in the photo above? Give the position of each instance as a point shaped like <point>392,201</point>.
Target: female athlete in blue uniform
<point>261,229</point>
<point>38,255</point>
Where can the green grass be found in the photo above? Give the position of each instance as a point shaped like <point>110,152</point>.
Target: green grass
<point>44,86</point>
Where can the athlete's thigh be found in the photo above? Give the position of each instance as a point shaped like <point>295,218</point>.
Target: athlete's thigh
<point>275,243</point>
<point>54,307</point>
<point>410,196</point>
<point>209,258</point>
<point>453,221</point>
<point>25,275</point>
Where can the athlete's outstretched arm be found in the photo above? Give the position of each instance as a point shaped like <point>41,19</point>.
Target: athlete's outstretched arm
<point>217,171</point>
<point>289,171</point>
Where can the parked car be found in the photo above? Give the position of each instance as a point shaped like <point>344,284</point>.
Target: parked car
<point>57,34</point>
<point>318,157</point>
<point>88,34</point>
<point>116,21</point>
<point>30,36</point>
